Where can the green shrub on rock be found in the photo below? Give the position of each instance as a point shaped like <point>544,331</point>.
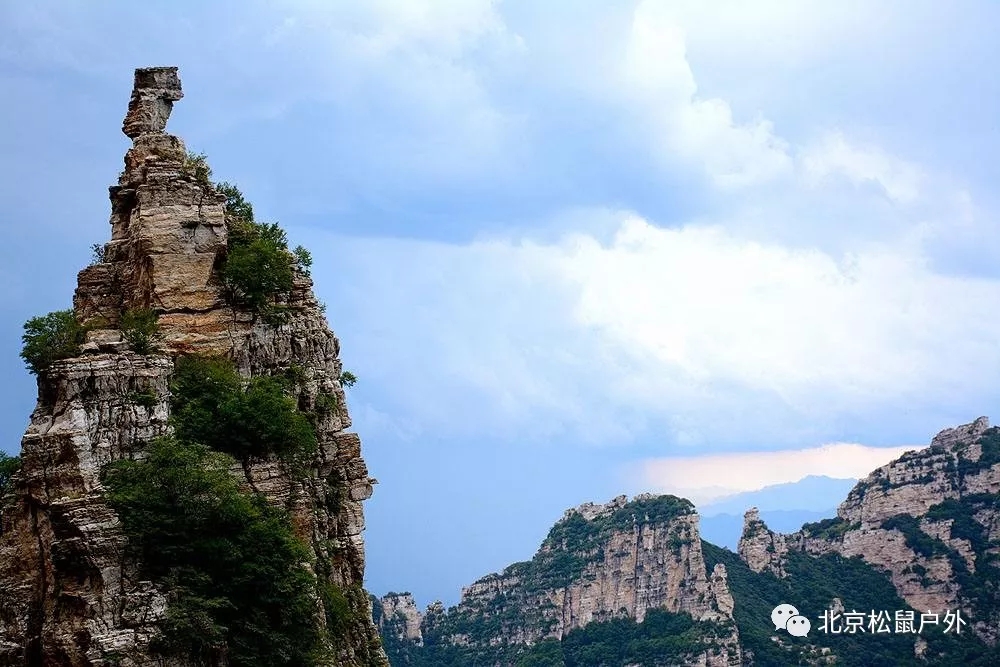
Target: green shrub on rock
<point>195,165</point>
<point>259,266</point>
<point>231,561</point>
<point>140,329</point>
<point>49,338</point>
<point>9,465</point>
<point>250,420</point>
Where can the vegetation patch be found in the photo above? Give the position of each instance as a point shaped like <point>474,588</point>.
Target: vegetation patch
<point>98,253</point>
<point>230,561</point>
<point>49,338</point>
<point>829,529</point>
<point>195,166</point>
<point>259,267</point>
<point>146,398</point>
<point>9,466</point>
<point>663,638</point>
<point>916,539</point>
<point>141,330</point>
<point>811,585</point>
<point>251,420</point>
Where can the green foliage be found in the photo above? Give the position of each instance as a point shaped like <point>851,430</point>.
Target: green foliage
<point>237,208</point>
<point>339,614</point>
<point>140,328</point>
<point>98,253</point>
<point>195,166</point>
<point>231,561</point>
<point>258,266</point>
<point>212,405</point>
<point>990,443</point>
<point>546,653</point>
<point>982,586</point>
<point>916,539</point>
<point>147,398</point>
<point>295,374</point>
<point>348,379</point>
<point>276,315</point>
<point>829,529</point>
<point>9,465</point>
<point>811,585</point>
<point>49,338</point>
<point>303,259</point>
<point>325,403</point>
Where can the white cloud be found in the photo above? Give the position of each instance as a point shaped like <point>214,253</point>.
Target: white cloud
<point>703,479</point>
<point>691,334</point>
<point>660,81</point>
<point>834,155</point>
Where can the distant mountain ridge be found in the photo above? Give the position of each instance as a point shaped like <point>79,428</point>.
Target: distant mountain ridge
<point>633,584</point>
<point>813,493</point>
<point>784,507</point>
<point>725,530</point>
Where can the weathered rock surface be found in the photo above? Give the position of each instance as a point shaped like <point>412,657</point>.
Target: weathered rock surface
<point>599,562</point>
<point>68,594</point>
<point>902,519</point>
<point>400,618</point>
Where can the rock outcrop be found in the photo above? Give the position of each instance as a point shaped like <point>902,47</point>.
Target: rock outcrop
<point>930,520</point>
<point>68,593</point>
<point>399,617</point>
<point>598,563</point>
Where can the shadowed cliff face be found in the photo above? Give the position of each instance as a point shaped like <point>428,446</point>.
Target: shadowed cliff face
<point>600,562</point>
<point>930,520</point>
<point>68,593</point>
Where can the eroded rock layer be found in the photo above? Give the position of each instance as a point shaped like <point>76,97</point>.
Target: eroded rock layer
<point>68,593</point>
<point>600,562</point>
<point>930,520</point>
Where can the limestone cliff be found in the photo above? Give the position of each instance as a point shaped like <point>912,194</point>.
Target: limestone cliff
<point>69,595</point>
<point>600,562</point>
<point>930,520</point>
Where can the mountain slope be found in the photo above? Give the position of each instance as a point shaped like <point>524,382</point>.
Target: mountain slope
<point>918,535</point>
<point>601,564</point>
<point>930,520</point>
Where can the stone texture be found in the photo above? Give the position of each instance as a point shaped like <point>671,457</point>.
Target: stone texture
<point>643,566</point>
<point>401,617</point>
<point>68,594</point>
<point>950,468</point>
<point>153,95</point>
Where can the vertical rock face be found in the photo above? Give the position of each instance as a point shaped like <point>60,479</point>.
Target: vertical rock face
<point>930,520</point>
<point>68,594</point>
<point>400,618</point>
<point>598,563</point>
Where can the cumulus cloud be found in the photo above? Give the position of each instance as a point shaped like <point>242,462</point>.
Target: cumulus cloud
<point>703,479</point>
<point>691,334</point>
<point>660,81</point>
<point>835,156</point>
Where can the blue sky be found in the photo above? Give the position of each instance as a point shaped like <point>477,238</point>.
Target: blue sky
<point>572,249</point>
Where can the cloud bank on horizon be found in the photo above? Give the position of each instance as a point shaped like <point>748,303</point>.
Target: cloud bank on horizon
<point>685,241</point>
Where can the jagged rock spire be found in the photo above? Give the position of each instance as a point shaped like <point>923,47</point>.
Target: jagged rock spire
<point>153,95</point>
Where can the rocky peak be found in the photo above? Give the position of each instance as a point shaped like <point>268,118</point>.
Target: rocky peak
<point>930,519</point>
<point>600,561</point>
<point>400,618</point>
<point>69,594</point>
<point>153,95</point>
<point>758,546</point>
<point>967,433</point>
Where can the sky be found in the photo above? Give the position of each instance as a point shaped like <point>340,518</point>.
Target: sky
<point>572,249</point>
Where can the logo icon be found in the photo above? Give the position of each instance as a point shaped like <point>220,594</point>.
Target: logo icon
<point>787,617</point>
